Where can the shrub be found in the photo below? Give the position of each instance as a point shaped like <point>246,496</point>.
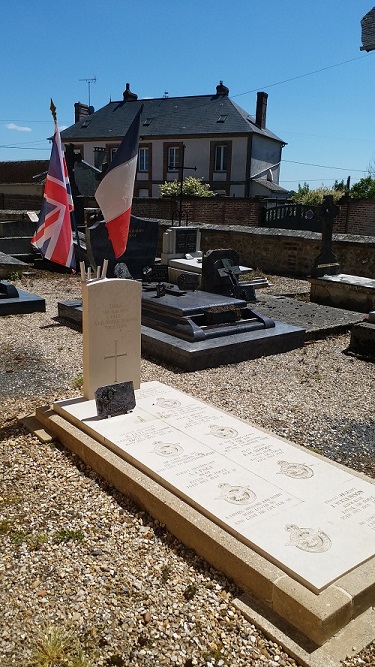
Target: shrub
<point>191,187</point>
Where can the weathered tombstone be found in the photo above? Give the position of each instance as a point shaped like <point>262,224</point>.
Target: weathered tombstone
<point>111,333</point>
<point>179,242</point>
<point>140,251</point>
<point>220,273</point>
<point>188,281</point>
<point>326,262</point>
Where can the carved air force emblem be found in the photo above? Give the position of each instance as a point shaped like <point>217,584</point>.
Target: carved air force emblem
<point>239,495</point>
<point>167,449</point>
<point>222,431</point>
<point>295,470</point>
<point>308,539</point>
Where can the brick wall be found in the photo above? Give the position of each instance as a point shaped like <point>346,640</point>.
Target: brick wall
<point>356,216</point>
<point>223,210</point>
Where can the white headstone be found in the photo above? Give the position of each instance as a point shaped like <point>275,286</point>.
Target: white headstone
<point>111,333</point>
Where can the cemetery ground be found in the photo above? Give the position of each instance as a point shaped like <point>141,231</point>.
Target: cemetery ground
<point>87,577</point>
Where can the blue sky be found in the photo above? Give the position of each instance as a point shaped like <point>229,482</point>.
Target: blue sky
<point>305,54</point>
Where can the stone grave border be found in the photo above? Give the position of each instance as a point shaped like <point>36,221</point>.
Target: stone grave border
<point>318,630</point>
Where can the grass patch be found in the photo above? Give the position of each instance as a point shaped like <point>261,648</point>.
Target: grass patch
<point>78,382</point>
<point>56,647</point>
<point>68,536</point>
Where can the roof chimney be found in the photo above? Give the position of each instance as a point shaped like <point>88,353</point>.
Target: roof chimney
<point>128,95</point>
<point>261,111</point>
<point>221,89</point>
<point>81,111</point>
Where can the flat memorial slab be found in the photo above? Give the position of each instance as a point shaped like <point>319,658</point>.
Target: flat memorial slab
<point>19,302</point>
<point>344,291</point>
<point>313,519</point>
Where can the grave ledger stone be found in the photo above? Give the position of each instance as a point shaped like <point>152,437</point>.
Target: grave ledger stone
<point>111,333</point>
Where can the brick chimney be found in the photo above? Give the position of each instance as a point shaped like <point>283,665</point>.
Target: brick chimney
<point>261,111</point>
<point>128,95</point>
<point>221,89</point>
<point>81,111</point>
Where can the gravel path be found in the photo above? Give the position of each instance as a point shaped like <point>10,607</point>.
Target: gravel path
<point>85,570</point>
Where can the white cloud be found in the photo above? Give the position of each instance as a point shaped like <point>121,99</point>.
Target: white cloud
<point>19,128</point>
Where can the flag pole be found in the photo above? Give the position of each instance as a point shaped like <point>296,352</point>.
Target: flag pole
<point>72,215</point>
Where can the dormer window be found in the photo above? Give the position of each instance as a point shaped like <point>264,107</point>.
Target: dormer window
<point>147,121</point>
<point>222,118</point>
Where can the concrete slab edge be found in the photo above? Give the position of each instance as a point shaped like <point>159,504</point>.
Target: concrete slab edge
<point>349,641</point>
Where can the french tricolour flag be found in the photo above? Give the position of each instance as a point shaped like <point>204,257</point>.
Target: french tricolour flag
<point>115,192</point>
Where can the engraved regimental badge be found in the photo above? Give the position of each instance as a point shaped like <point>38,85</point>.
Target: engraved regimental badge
<point>308,539</point>
<point>239,495</point>
<point>295,470</point>
<point>222,431</point>
<point>167,448</point>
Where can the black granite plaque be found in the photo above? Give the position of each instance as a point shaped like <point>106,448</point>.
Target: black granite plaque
<point>186,240</point>
<point>159,274</point>
<point>188,281</point>
<point>115,399</point>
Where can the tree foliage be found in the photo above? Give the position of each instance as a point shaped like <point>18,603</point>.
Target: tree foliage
<point>364,189</point>
<point>310,197</point>
<point>191,187</point>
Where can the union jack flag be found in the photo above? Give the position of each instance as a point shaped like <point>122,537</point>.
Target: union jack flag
<point>53,237</point>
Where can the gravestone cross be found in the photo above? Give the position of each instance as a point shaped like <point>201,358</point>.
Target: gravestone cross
<point>115,356</point>
<point>326,262</point>
<point>111,318</point>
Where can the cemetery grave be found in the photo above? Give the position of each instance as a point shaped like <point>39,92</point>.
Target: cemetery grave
<point>294,530</point>
<point>14,301</point>
<point>330,287</point>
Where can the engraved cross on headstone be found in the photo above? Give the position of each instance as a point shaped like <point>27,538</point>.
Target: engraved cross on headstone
<point>115,356</point>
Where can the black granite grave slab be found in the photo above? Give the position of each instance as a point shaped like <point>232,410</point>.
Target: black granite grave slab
<point>14,301</point>
<point>214,352</point>
<point>199,315</point>
<point>234,342</point>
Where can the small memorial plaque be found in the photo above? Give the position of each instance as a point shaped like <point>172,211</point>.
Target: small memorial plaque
<point>186,240</point>
<point>159,273</point>
<point>188,281</point>
<point>115,399</point>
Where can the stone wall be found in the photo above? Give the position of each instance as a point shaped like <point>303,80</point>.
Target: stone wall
<point>287,252</point>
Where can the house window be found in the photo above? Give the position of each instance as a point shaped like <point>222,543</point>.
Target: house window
<point>112,153</point>
<point>173,158</point>
<point>143,157</point>
<point>221,158</point>
<point>99,157</point>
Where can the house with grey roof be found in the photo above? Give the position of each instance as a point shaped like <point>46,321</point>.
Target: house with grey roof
<point>217,140</point>
<point>368,31</point>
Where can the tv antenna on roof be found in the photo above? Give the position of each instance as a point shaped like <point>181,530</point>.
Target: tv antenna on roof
<point>89,82</point>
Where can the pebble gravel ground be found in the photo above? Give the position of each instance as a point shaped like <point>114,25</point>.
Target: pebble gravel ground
<point>91,578</point>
